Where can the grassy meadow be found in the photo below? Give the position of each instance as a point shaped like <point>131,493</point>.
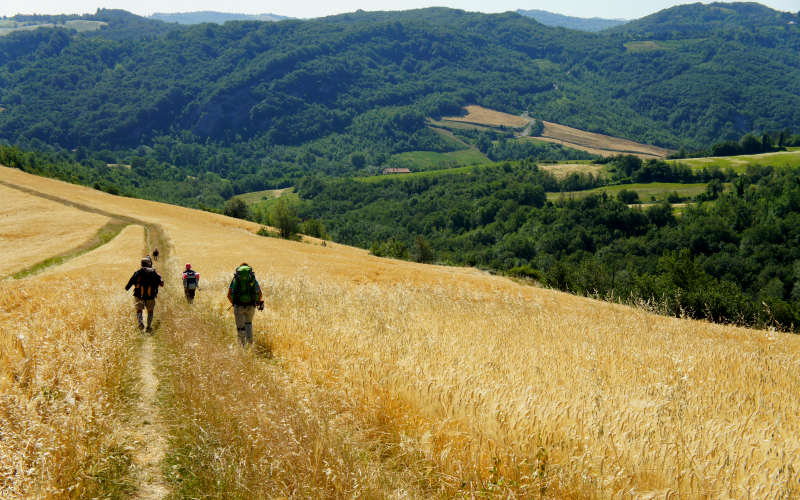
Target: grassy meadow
<point>427,160</point>
<point>375,378</point>
<point>789,158</point>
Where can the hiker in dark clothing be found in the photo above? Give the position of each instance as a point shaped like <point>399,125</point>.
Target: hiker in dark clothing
<point>155,254</point>
<point>191,282</point>
<point>245,295</point>
<point>145,282</point>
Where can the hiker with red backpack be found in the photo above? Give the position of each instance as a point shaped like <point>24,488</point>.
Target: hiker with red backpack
<point>191,282</point>
<point>244,294</point>
<point>145,282</point>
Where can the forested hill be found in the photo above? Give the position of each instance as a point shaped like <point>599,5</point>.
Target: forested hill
<point>575,23</point>
<point>726,19</point>
<point>273,100</point>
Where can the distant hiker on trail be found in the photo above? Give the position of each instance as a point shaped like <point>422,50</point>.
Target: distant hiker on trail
<point>191,281</point>
<point>245,294</point>
<point>145,282</point>
<point>155,254</point>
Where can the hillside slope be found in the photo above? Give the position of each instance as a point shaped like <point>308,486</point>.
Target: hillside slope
<point>373,376</point>
<point>278,100</point>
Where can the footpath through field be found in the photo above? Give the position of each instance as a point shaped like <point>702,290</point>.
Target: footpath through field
<point>394,379</point>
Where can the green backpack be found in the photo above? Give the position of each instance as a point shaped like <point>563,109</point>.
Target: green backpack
<point>244,286</point>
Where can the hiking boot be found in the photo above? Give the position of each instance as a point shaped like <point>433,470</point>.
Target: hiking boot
<point>141,326</point>
<point>149,329</point>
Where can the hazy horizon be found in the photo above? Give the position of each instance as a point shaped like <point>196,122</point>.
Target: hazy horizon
<point>614,9</point>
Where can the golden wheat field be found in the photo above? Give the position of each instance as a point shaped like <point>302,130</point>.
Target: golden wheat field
<point>370,378</point>
<point>36,228</point>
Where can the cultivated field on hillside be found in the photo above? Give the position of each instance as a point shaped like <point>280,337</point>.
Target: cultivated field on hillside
<point>562,170</point>
<point>484,116</point>
<point>601,144</point>
<point>34,229</point>
<point>8,26</point>
<point>380,378</point>
<point>739,164</point>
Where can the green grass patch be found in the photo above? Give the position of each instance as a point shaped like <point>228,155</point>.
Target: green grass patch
<point>429,160</point>
<point>655,191</point>
<point>105,234</point>
<point>739,164</point>
<point>254,197</point>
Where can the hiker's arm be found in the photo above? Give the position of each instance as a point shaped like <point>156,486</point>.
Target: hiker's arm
<point>130,282</point>
<point>230,295</point>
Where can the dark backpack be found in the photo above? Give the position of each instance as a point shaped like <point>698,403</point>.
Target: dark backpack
<point>190,280</point>
<point>147,283</point>
<point>244,286</point>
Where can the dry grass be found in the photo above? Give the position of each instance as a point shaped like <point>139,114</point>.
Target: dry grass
<point>242,428</point>
<point>395,379</point>
<point>66,353</point>
<point>37,228</point>
<point>601,144</point>
<point>563,170</point>
<point>485,116</point>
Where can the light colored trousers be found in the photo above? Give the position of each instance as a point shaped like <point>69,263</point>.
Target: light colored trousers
<point>244,323</point>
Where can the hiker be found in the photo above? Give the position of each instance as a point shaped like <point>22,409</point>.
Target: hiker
<point>191,281</point>
<point>155,254</point>
<point>145,282</point>
<point>244,294</point>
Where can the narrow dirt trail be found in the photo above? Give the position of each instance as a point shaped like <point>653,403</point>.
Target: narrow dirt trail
<point>148,436</point>
<point>149,433</point>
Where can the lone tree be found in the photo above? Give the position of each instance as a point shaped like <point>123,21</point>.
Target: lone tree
<point>235,207</point>
<point>283,217</point>
<point>422,250</point>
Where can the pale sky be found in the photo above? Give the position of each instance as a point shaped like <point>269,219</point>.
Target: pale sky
<point>624,9</point>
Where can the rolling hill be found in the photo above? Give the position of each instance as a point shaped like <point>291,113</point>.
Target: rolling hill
<point>593,24</point>
<point>368,377</point>
<point>262,104</point>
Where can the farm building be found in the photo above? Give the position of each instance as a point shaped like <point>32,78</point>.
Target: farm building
<point>396,171</point>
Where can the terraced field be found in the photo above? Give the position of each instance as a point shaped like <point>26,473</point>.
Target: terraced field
<point>369,378</point>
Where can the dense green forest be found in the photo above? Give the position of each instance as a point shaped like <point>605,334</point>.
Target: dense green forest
<point>262,104</point>
<point>732,257</point>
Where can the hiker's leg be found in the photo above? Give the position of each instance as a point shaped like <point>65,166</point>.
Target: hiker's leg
<point>139,309</point>
<point>239,315</point>
<point>248,324</point>
<point>190,294</point>
<point>151,305</point>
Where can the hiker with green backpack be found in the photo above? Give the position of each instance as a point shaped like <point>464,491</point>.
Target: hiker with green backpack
<point>244,294</point>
